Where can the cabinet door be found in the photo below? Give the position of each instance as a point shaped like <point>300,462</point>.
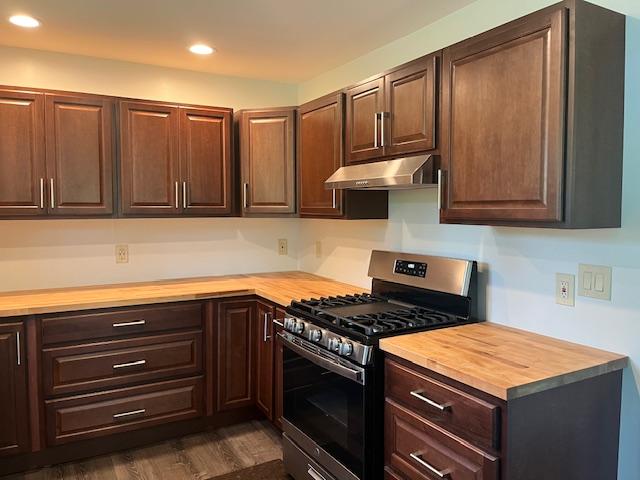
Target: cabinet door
<point>22,167</point>
<point>236,354</point>
<point>503,123</point>
<point>365,103</point>
<point>14,417</point>
<point>149,166</point>
<point>278,357</point>
<point>205,137</point>
<point>409,122</point>
<point>268,161</point>
<point>79,155</point>
<point>320,154</point>
<point>264,374</point>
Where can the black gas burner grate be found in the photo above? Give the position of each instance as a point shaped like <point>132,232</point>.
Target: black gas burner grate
<point>317,305</point>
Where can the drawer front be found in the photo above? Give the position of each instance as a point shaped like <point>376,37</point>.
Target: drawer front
<point>300,465</point>
<point>90,416</point>
<point>469,417</point>
<point>114,363</point>
<point>420,450</point>
<point>84,327</point>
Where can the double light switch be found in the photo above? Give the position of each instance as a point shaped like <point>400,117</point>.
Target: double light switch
<point>594,281</point>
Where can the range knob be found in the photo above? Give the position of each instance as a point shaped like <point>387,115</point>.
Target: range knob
<point>298,327</point>
<point>315,335</point>
<point>345,348</point>
<point>289,323</point>
<point>334,344</point>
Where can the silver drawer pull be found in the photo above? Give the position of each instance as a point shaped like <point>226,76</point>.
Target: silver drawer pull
<point>442,407</point>
<point>314,474</point>
<point>137,323</point>
<point>137,363</point>
<point>117,416</point>
<point>439,473</point>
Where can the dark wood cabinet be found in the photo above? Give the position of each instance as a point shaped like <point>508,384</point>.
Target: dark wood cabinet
<point>236,357</point>
<point>79,154</point>
<point>265,359</point>
<point>278,358</point>
<point>14,414</point>
<point>365,103</point>
<point>532,120</point>
<point>22,154</point>
<point>267,161</point>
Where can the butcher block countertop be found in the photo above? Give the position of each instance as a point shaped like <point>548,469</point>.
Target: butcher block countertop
<point>280,288</point>
<point>504,362</point>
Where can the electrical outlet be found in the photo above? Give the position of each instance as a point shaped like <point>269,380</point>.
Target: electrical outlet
<point>565,289</point>
<point>282,246</point>
<point>122,253</point>
<point>594,281</point>
<point>318,249</point>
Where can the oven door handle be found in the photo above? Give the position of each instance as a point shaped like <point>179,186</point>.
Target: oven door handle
<point>356,374</point>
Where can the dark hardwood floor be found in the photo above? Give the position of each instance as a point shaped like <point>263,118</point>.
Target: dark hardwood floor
<point>195,457</point>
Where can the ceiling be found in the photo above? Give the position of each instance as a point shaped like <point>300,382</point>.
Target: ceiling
<point>284,40</point>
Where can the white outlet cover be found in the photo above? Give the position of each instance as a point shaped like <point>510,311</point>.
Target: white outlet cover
<point>282,246</point>
<point>594,281</point>
<point>122,253</point>
<point>565,289</point>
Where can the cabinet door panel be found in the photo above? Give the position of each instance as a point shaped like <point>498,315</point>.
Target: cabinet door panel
<point>278,358</point>
<point>79,155</point>
<point>362,140</point>
<point>206,161</point>
<point>320,154</point>
<point>149,159</point>
<point>411,101</point>
<point>264,372</point>
<point>22,168</point>
<point>268,162</point>
<point>14,417</point>
<point>504,110</point>
<point>236,355</point>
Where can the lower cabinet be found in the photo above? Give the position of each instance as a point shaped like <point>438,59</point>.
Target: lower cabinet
<point>278,357</point>
<point>14,417</point>
<point>264,371</point>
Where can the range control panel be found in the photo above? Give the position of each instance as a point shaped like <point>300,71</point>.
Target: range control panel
<point>413,269</point>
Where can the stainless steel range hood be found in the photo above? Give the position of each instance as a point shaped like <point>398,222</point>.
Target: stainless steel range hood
<point>400,173</point>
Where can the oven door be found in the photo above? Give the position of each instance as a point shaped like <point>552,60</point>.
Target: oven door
<point>325,399</point>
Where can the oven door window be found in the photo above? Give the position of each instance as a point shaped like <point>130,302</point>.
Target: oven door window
<point>327,407</point>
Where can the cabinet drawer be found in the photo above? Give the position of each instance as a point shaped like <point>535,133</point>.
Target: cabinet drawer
<point>114,363</point>
<point>96,415</point>
<point>469,417</point>
<point>83,327</point>
<point>418,449</point>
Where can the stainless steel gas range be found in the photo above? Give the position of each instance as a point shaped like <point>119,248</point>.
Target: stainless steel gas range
<point>333,370</point>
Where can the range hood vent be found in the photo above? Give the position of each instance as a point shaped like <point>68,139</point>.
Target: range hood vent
<point>400,173</point>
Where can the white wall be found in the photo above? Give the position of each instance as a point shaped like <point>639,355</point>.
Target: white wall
<point>518,265</point>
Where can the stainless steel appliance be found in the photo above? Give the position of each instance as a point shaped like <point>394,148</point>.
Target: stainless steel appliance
<point>333,370</point>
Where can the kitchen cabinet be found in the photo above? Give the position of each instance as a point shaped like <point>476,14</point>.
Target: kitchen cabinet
<point>14,415</point>
<point>532,121</point>
<point>278,358</point>
<point>175,160</point>
<point>267,161</point>
<point>236,357</point>
<point>265,359</point>
<point>320,154</point>
<point>394,114</point>
<point>22,154</point>
<point>79,154</point>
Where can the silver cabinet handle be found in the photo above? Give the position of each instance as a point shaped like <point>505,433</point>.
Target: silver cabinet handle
<point>278,322</point>
<point>245,186</point>
<point>129,324</point>
<point>334,199</point>
<point>439,473</point>
<point>314,474</point>
<point>42,193</point>
<point>266,337</point>
<point>439,189</point>
<point>176,195</point>
<point>52,194</point>
<point>137,363</point>
<point>442,407</point>
<point>375,130</point>
<point>382,117</point>
<point>117,416</point>
<point>184,194</point>
<point>18,350</point>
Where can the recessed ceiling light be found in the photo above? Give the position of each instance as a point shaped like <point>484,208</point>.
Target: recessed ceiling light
<point>24,21</point>
<point>201,49</point>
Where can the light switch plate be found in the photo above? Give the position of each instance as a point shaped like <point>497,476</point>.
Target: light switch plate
<point>594,281</point>
<point>565,289</point>
<point>318,249</point>
<point>282,246</point>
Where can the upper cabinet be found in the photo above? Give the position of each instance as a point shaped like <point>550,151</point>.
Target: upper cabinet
<point>174,160</point>
<point>394,114</point>
<point>532,121</point>
<point>267,161</point>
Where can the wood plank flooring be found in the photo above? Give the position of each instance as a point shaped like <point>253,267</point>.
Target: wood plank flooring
<point>195,457</point>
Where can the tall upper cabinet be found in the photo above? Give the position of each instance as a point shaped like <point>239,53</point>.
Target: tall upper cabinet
<point>174,160</point>
<point>56,154</point>
<point>532,121</point>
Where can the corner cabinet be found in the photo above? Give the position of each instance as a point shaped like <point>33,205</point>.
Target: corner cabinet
<point>267,161</point>
<point>532,121</point>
